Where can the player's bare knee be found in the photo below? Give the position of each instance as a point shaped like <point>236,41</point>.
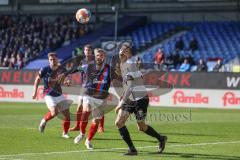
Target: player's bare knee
<point>54,112</point>
<point>96,121</point>
<point>142,126</point>
<point>79,108</point>
<point>119,123</point>
<point>66,116</point>
<point>86,108</point>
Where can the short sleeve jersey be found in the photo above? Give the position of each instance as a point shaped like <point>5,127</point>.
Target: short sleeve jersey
<point>50,81</point>
<point>84,67</point>
<point>130,69</point>
<point>98,81</point>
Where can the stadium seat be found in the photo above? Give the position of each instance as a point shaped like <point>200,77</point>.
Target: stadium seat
<point>215,39</point>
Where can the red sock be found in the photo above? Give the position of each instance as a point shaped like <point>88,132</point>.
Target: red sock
<point>84,121</point>
<point>48,116</point>
<point>66,124</point>
<point>92,131</point>
<point>78,118</point>
<point>101,123</point>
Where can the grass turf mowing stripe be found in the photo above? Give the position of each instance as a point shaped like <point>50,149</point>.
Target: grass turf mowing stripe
<point>107,149</point>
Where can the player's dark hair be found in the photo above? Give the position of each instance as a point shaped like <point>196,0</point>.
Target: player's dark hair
<point>50,54</point>
<point>88,46</point>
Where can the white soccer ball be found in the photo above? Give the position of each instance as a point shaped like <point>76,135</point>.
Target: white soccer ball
<point>83,15</point>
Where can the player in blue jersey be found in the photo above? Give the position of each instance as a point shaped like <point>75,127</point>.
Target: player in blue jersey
<point>99,77</point>
<point>52,76</point>
<point>88,59</point>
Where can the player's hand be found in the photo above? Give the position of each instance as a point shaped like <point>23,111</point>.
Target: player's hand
<point>117,109</point>
<point>129,77</point>
<point>67,82</point>
<point>34,95</point>
<point>117,69</point>
<point>61,78</point>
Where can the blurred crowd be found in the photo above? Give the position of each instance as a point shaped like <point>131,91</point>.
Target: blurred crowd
<point>183,63</point>
<point>24,38</point>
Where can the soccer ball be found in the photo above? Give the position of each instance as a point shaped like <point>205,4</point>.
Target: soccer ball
<point>83,15</point>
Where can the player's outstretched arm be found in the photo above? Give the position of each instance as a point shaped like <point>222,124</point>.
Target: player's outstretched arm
<point>36,83</point>
<point>127,92</point>
<point>64,79</point>
<point>119,105</point>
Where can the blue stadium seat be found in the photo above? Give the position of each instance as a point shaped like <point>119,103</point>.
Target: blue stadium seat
<point>215,39</point>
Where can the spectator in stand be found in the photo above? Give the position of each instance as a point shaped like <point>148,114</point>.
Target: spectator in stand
<point>218,66</point>
<point>139,63</point>
<point>161,66</point>
<point>159,56</point>
<point>170,62</point>
<point>19,63</point>
<point>193,45</point>
<point>176,58</point>
<point>185,66</point>
<point>0,61</point>
<point>6,61</point>
<point>32,35</point>
<point>12,61</point>
<point>1,52</point>
<point>202,67</point>
<point>179,44</point>
<point>81,30</point>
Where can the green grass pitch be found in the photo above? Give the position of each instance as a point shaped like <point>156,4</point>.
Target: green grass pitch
<point>192,134</point>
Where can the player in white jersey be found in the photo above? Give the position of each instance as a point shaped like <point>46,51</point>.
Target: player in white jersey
<point>134,100</point>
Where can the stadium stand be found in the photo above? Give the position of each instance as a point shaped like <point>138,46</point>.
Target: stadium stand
<point>152,33</point>
<point>25,38</point>
<point>106,30</point>
<point>216,40</point>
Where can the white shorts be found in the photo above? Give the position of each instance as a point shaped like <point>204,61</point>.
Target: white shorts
<point>97,105</point>
<point>80,99</point>
<point>59,102</point>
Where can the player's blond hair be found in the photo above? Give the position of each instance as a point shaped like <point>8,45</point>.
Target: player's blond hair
<point>126,46</point>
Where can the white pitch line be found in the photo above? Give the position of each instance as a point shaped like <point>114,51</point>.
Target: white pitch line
<point>9,159</point>
<point>203,144</point>
<point>18,128</point>
<point>97,150</point>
